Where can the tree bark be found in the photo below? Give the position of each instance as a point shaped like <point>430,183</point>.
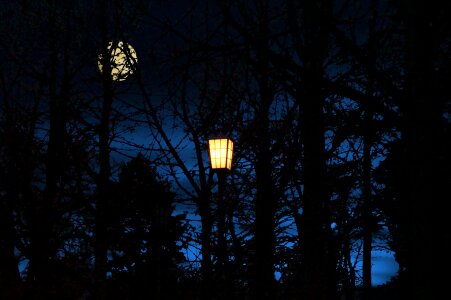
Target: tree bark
<point>265,202</point>
<point>103,179</point>
<point>43,239</point>
<point>427,164</point>
<point>367,209</point>
<point>317,265</point>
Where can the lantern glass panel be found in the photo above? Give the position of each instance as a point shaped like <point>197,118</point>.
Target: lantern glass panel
<point>221,152</point>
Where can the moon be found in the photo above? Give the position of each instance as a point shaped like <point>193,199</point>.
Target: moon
<point>122,60</point>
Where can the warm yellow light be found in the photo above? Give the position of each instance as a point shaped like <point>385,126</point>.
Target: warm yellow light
<point>122,59</point>
<point>221,152</point>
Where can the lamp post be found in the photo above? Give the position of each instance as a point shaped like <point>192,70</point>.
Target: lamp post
<point>221,155</point>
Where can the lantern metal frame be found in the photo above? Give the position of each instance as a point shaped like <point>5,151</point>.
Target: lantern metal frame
<point>220,152</point>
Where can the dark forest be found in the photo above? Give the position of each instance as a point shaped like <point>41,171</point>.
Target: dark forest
<point>339,113</point>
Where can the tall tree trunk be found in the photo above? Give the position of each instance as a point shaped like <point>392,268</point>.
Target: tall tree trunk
<point>318,267</point>
<point>103,180</point>
<point>265,207</point>
<point>15,174</point>
<point>103,194</point>
<point>367,162</point>
<point>263,286</point>
<point>367,208</point>
<point>265,203</point>
<point>104,189</point>
<point>315,229</point>
<point>426,169</point>
<point>43,236</point>
<point>9,272</point>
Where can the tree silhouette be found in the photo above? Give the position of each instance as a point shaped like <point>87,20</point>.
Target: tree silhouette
<point>339,111</point>
<point>144,235</point>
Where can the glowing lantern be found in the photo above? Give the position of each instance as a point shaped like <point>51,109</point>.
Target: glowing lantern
<point>221,152</point>
<point>122,59</point>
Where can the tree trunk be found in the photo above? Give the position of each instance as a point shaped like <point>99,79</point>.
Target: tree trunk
<point>263,284</point>
<point>315,229</point>
<point>367,163</point>
<point>43,239</point>
<point>265,203</point>
<point>103,189</point>
<point>427,164</point>
<point>9,271</point>
<point>318,266</point>
<point>367,209</point>
<point>103,180</point>
<point>15,179</point>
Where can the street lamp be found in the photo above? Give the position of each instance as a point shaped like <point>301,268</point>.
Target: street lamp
<point>221,153</point>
